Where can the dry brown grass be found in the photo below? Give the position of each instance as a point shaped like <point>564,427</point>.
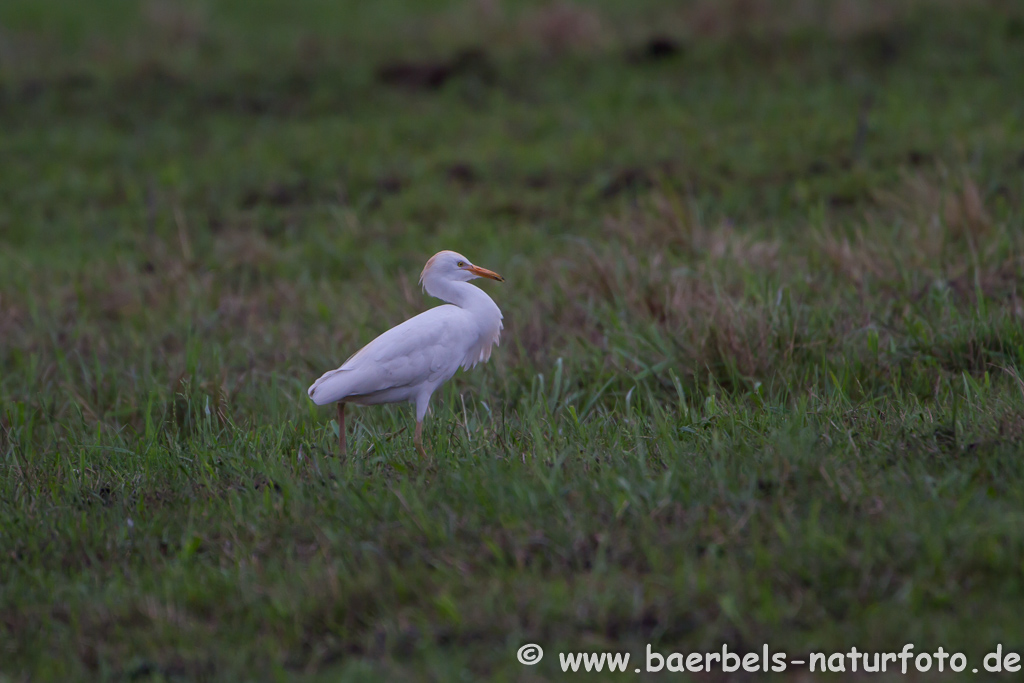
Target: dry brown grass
<point>856,259</point>
<point>938,208</point>
<point>12,319</point>
<point>668,221</point>
<point>694,313</point>
<point>563,25</point>
<point>235,248</point>
<point>700,286</point>
<point>175,23</point>
<point>556,27</point>
<point>943,216</point>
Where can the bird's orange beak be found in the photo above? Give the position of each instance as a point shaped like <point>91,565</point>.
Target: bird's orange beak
<point>483,272</point>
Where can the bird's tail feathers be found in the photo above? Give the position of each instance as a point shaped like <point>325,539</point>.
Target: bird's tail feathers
<point>329,388</point>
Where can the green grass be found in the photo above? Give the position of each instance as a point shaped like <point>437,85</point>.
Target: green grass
<point>762,377</point>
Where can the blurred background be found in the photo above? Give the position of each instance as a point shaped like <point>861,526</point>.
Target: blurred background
<point>275,146</point>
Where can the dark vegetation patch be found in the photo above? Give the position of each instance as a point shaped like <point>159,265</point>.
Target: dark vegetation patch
<point>657,48</point>
<point>626,180</point>
<point>427,75</point>
<point>462,173</point>
<point>277,194</point>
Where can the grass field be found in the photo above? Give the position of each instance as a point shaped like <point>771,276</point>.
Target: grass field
<point>762,374</point>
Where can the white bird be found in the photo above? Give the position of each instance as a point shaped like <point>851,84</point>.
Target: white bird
<point>410,361</point>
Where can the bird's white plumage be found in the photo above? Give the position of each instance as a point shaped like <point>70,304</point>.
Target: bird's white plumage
<point>410,361</point>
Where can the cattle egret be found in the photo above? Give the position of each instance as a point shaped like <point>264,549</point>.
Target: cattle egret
<point>410,361</point>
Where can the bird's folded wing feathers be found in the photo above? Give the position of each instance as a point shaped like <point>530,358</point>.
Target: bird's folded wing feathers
<point>422,349</point>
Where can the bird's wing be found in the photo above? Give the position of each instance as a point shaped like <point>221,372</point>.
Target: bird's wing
<point>422,350</point>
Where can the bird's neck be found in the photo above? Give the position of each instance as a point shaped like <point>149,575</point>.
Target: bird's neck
<point>461,294</point>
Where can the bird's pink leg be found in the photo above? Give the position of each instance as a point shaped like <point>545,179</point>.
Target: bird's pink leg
<point>342,445</point>
<point>418,439</point>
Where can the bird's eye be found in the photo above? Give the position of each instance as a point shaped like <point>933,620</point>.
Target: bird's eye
<point>461,264</point>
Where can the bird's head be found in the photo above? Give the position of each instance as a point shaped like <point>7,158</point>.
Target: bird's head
<point>452,266</point>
